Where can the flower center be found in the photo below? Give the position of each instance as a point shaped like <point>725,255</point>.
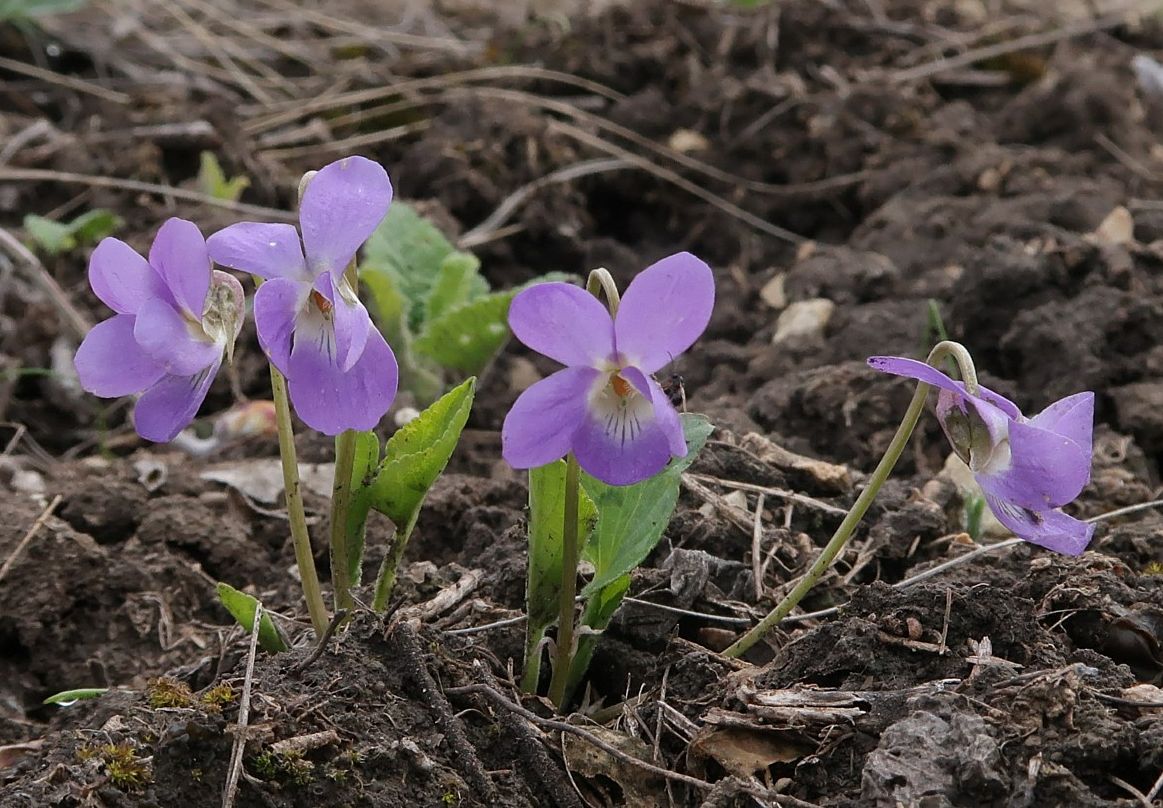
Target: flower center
<point>323,304</point>
<point>621,387</point>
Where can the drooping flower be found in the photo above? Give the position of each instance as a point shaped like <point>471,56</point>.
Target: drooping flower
<point>175,317</point>
<point>1027,468</point>
<point>605,406</point>
<point>340,372</point>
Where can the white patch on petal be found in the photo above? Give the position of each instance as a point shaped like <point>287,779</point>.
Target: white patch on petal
<point>622,411</point>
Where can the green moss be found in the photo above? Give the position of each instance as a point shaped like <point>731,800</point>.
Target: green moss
<point>218,697</point>
<point>290,767</point>
<point>122,766</point>
<point>450,798</point>
<point>166,691</point>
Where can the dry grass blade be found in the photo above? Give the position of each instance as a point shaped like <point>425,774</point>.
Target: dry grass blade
<point>70,82</point>
<point>29,535</point>
<point>76,322</point>
<point>239,747</point>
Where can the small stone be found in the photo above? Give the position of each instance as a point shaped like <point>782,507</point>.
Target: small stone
<point>1117,228</point>
<point>773,292</point>
<point>804,319</point>
<point>685,141</point>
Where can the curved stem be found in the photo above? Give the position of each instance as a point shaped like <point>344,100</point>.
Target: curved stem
<point>600,281</point>
<point>300,537</point>
<point>563,654</point>
<point>943,350</point>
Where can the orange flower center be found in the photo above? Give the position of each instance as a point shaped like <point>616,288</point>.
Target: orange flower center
<point>323,304</point>
<point>621,387</point>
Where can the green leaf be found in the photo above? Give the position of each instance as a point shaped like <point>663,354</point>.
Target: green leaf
<point>416,455</point>
<point>363,473</point>
<point>546,523</point>
<point>242,606</point>
<point>632,518</point>
<point>458,281</point>
<point>468,336</point>
<point>24,9</point>
<point>67,697</point>
<point>213,182</point>
<point>412,249</point>
<point>599,611</point>
<point>94,225</point>
<point>50,237</point>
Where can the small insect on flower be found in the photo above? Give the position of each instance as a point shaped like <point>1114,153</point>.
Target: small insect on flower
<point>174,319</point>
<point>340,372</point>
<point>1027,468</point>
<point>605,406</point>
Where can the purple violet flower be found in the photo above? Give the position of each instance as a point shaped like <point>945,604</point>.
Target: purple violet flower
<point>340,372</point>
<point>604,406</point>
<point>174,318</point>
<point>1027,468</point>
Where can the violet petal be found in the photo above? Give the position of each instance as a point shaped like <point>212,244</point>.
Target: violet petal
<point>169,406</point>
<point>665,309</point>
<point>329,400</point>
<point>1051,529</point>
<point>564,322</point>
<point>122,279</point>
<point>267,250</point>
<point>1071,417</point>
<point>179,255</point>
<point>923,372</point>
<point>350,319</point>
<point>622,451</point>
<point>1045,470</point>
<point>344,203</point>
<point>110,363</point>
<point>541,424</point>
<point>167,337</point>
<point>277,306</point>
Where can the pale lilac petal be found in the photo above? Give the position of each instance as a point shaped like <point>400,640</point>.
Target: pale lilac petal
<point>167,337</point>
<point>343,204</point>
<point>665,309</point>
<point>1071,417</point>
<point>170,405</point>
<point>122,278</point>
<point>618,455</point>
<point>1051,529</point>
<point>1045,470</point>
<point>277,307</point>
<point>179,255</point>
<point>267,250</point>
<point>541,424</point>
<point>664,411</point>
<point>110,363</point>
<point>329,400</point>
<point>349,317</point>
<point>923,372</point>
<point>564,322</point>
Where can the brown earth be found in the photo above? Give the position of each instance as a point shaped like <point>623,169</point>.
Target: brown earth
<point>826,145</point>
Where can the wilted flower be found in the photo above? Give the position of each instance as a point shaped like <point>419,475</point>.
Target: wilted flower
<point>1026,467</point>
<point>340,372</point>
<point>175,317</point>
<point>604,406</point>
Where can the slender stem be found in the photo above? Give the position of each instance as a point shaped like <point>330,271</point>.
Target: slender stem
<point>844,532</point>
<point>386,579</point>
<point>304,556</point>
<point>340,504</point>
<point>563,654</point>
<point>533,651</point>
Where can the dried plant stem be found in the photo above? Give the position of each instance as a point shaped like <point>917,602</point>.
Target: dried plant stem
<point>340,505</point>
<point>304,556</point>
<point>943,350</point>
<point>563,653</point>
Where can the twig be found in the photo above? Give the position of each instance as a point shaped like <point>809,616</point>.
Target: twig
<point>76,322</point>
<point>588,737</point>
<point>1125,159</point>
<point>485,231</point>
<point>72,83</point>
<point>69,178</point>
<point>239,746</point>
<point>1130,789</point>
<point>321,645</point>
<point>1155,789</point>
<point>1002,48</point>
<point>28,536</point>
<point>508,621</point>
<point>791,496</point>
<point>757,548</point>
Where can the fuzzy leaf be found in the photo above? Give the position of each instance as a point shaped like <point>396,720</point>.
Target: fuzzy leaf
<point>213,182</point>
<point>242,607</point>
<point>546,522</point>
<point>466,337</point>
<point>67,697</point>
<point>416,455</point>
<point>411,249</point>
<point>632,518</point>
<point>94,225</point>
<point>52,238</point>
<point>459,281</point>
<point>25,9</point>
